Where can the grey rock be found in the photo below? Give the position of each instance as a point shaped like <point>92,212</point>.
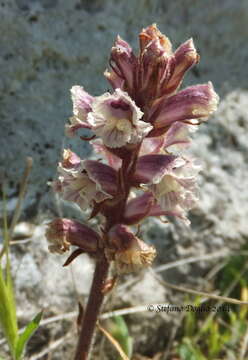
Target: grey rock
<point>48,46</point>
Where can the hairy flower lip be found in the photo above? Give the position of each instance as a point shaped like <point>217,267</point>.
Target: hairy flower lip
<point>176,192</point>
<point>117,120</point>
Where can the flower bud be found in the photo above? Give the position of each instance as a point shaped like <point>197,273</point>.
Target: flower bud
<point>185,57</point>
<point>62,233</point>
<point>123,63</point>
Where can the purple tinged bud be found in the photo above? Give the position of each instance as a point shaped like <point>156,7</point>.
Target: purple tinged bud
<point>185,57</point>
<point>150,35</point>
<point>62,233</point>
<point>123,63</point>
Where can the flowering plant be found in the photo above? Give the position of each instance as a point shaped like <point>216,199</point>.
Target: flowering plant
<point>141,129</point>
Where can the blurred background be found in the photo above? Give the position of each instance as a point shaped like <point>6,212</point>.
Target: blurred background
<point>47,46</point>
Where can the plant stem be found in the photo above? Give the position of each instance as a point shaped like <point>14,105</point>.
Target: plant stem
<point>92,310</point>
<point>101,271</point>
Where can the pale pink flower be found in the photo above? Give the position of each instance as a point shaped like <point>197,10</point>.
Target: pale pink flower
<point>86,182</point>
<point>177,192</point>
<point>116,119</point>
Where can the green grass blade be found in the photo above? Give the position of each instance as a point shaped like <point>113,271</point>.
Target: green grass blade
<point>7,313</point>
<point>26,335</point>
<point>119,330</point>
<point>8,320</point>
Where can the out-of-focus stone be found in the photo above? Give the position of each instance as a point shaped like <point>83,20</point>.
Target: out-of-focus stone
<point>23,230</point>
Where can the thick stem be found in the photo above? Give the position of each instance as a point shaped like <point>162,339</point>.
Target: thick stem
<point>101,271</point>
<point>92,310</point>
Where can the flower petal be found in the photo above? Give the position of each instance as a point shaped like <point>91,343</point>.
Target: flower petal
<point>103,175</point>
<point>185,57</point>
<point>137,208</point>
<point>176,192</point>
<point>113,160</point>
<point>123,61</point>
<point>70,160</point>
<point>151,168</point>
<point>195,102</point>
<point>116,119</point>
<point>151,145</point>
<point>178,136</point>
<point>129,252</point>
<point>82,102</point>
<point>156,210</point>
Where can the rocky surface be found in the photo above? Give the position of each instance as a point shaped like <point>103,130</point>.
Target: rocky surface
<point>46,47</point>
